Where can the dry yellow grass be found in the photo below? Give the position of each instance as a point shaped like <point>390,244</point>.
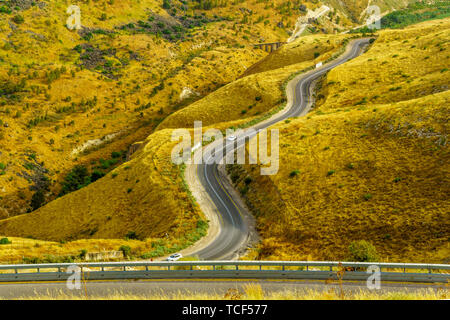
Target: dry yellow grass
<point>402,65</point>
<point>42,43</point>
<point>260,90</point>
<point>212,57</point>
<point>49,251</point>
<point>135,197</point>
<point>255,292</point>
<point>376,171</point>
<point>309,48</point>
<point>245,98</point>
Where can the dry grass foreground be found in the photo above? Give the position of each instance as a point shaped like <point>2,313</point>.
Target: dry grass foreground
<point>255,292</point>
<point>370,162</point>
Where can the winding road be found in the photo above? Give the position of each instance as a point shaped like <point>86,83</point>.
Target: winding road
<point>233,228</point>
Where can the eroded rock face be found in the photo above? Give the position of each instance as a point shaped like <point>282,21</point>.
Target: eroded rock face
<point>12,26</point>
<point>187,93</point>
<point>26,4</point>
<point>94,58</point>
<point>36,36</point>
<point>134,148</point>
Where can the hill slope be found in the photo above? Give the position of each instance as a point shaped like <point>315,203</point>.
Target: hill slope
<point>133,198</point>
<point>69,98</point>
<point>369,163</point>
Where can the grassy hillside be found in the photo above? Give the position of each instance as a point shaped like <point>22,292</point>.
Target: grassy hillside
<point>70,98</point>
<point>145,200</point>
<point>145,196</point>
<point>137,189</point>
<point>401,66</point>
<point>261,87</point>
<point>369,163</point>
<point>415,12</point>
<point>74,97</point>
<point>303,49</point>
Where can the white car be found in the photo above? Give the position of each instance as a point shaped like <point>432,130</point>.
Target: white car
<point>231,138</point>
<point>175,257</point>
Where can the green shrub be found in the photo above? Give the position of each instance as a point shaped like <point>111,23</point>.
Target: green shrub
<point>18,19</point>
<point>106,164</point>
<point>126,250</point>
<point>367,196</point>
<point>234,177</point>
<point>166,4</point>
<point>5,241</point>
<point>294,173</point>
<point>116,155</point>
<point>76,179</point>
<point>146,256</point>
<point>83,253</point>
<point>96,174</point>
<point>202,225</point>
<point>78,48</point>
<point>362,251</point>
<point>5,9</point>
<point>243,190</point>
<point>37,200</point>
<point>131,235</point>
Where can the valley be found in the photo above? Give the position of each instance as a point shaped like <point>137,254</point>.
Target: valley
<point>368,163</point>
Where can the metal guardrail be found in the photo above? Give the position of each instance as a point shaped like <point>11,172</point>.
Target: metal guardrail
<point>308,270</point>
